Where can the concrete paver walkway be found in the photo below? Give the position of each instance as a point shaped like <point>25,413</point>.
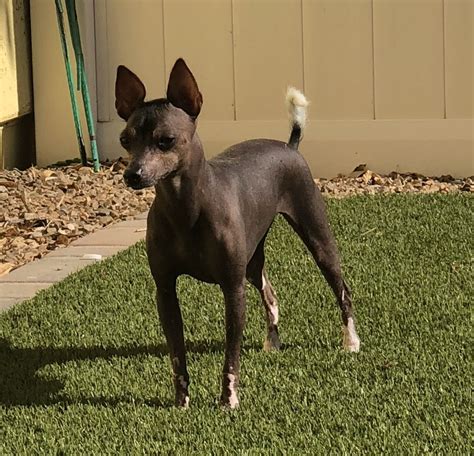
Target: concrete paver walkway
<point>24,282</point>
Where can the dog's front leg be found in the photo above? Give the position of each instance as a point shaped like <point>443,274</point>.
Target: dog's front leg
<point>172,323</point>
<point>234,297</point>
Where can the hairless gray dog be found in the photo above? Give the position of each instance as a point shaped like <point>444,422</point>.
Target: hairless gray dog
<point>210,218</point>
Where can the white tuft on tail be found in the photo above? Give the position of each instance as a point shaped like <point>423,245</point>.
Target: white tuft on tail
<point>296,103</point>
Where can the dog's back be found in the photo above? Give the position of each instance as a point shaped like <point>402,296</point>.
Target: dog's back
<point>265,173</point>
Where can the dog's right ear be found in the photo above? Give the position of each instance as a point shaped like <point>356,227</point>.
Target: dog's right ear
<point>129,92</point>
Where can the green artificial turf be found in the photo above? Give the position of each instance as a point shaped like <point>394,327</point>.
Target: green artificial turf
<point>84,370</point>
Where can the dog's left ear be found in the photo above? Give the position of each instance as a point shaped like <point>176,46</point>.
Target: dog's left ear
<point>183,91</point>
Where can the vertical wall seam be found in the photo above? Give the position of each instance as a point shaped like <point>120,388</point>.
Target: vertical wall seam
<point>95,67</point>
<point>444,61</point>
<point>373,61</point>
<point>302,46</point>
<point>232,32</point>
<point>103,42</point>
<point>164,46</point>
<point>109,117</point>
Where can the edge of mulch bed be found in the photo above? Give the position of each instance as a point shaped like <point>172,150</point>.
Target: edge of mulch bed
<point>42,209</point>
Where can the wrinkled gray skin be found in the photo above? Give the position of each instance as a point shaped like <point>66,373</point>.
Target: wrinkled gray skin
<point>210,218</point>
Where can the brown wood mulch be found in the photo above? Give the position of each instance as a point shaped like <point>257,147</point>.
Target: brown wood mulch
<point>45,209</point>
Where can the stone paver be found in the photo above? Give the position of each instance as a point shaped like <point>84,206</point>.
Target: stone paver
<point>112,236</point>
<point>136,223</point>
<point>25,290</point>
<point>6,303</point>
<point>24,282</point>
<point>46,270</point>
<point>79,251</point>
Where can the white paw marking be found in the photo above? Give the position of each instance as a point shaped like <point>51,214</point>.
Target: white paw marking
<point>264,282</point>
<point>233,399</point>
<point>350,341</point>
<point>186,402</point>
<point>273,314</point>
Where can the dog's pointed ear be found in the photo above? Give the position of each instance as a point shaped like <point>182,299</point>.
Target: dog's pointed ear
<point>183,91</point>
<point>129,92</point>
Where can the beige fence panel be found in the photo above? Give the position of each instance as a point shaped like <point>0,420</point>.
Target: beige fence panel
<point>459,48</point>
<point>268,56</point>
<point>204,40</point>
<point>129,33</point>
<point>409,63</point>
<point>382,75</point>
<point>338,61</point>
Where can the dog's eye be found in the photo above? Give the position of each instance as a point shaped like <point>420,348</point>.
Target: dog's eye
<point>124,142</point>
<point>166,142</point>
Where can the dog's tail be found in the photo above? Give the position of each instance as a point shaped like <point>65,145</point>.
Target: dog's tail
<point>296,103</point>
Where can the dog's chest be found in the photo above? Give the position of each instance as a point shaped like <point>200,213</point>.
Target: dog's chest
<point>192,258</point>
<point>186,251</point>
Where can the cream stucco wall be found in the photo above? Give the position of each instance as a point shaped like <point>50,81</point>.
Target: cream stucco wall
<point>16,99</point>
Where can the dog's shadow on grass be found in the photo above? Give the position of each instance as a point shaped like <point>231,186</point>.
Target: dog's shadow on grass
<point>20,384</point>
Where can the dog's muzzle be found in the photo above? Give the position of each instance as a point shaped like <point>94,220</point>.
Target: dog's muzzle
<point>134,178</point>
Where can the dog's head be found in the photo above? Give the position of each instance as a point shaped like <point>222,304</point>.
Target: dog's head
<point>159,133</point>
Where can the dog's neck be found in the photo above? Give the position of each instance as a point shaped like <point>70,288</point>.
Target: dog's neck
<point>181,195</point>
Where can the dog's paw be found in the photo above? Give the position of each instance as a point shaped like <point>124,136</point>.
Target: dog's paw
<point>350,339</point>
<point>228,405</point>
<point>272,342</point>
<point>352,346</point>
<point>271,345</point>
<point>229,398</point>
<point>181,398</point>
<point>182,401</point>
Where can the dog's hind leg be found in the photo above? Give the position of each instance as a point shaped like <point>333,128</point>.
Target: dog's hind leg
<point>308,218</point>
<point>257,276</point>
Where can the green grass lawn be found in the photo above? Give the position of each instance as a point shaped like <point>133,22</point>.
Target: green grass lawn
<point>84,369</point>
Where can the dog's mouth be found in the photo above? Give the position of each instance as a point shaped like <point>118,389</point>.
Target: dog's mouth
<point>139,184</point>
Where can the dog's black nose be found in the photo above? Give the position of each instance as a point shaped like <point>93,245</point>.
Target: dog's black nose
<point>133,177</point>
